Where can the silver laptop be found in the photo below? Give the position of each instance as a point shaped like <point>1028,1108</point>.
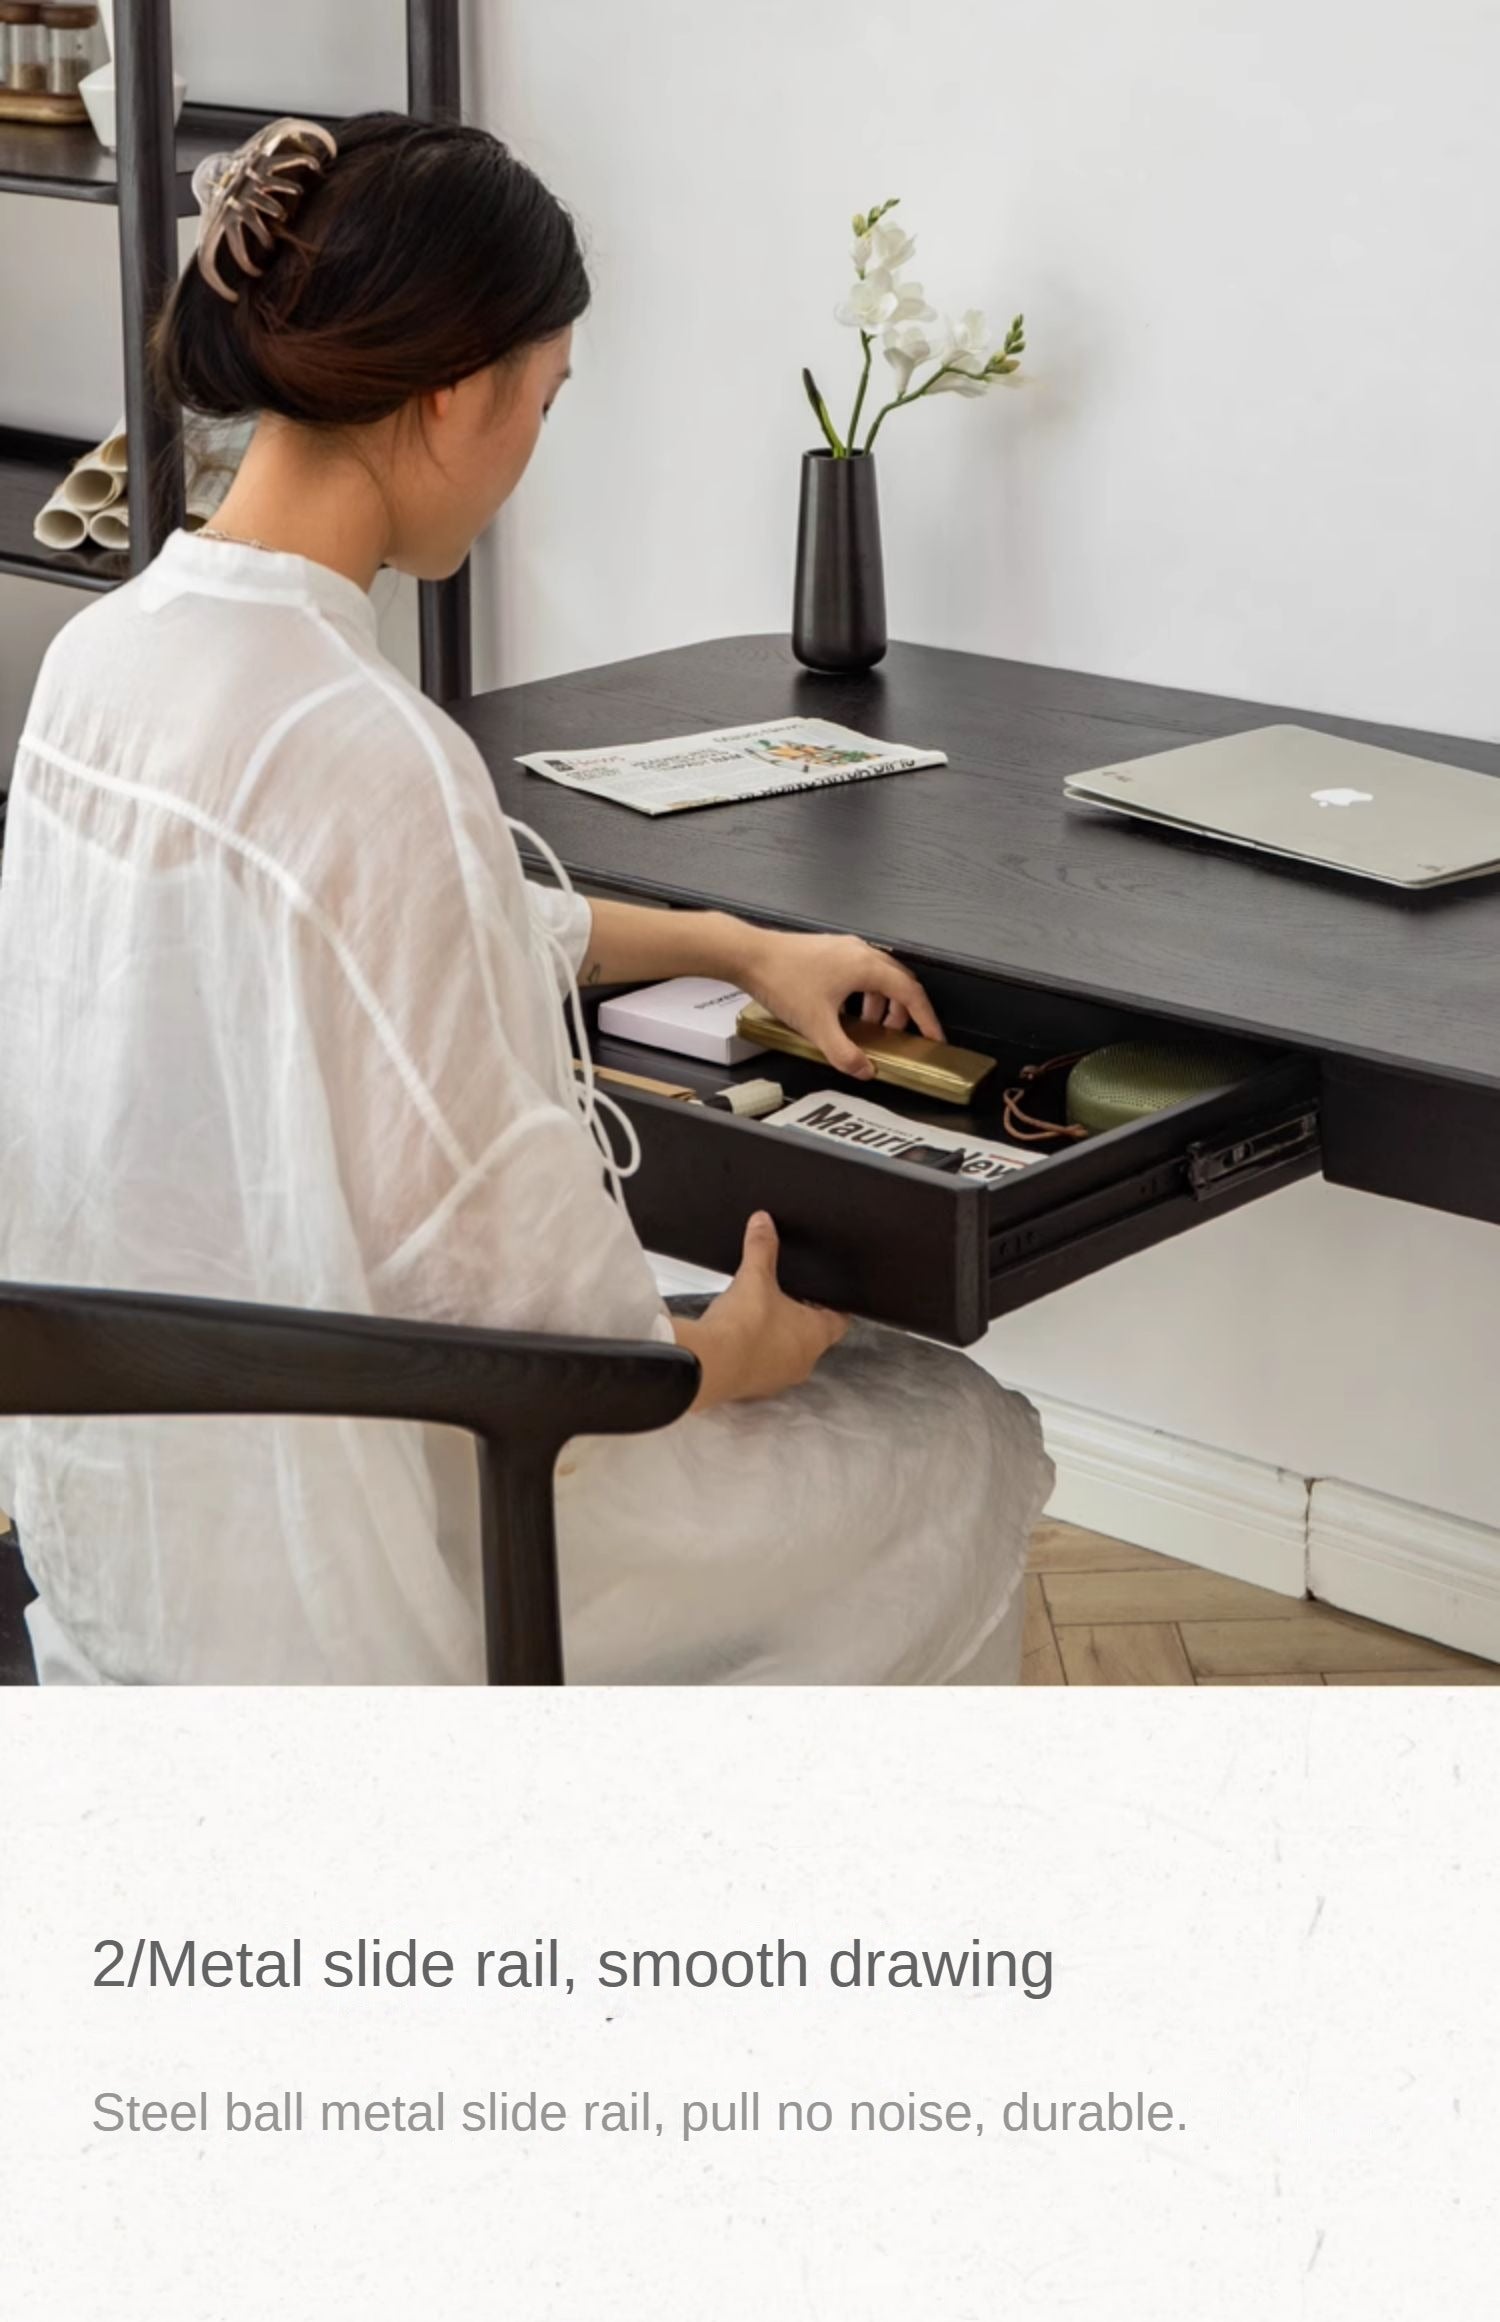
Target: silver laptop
<point>1317,798</point>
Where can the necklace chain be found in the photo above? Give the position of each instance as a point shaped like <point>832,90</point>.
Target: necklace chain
<point>234,539</point>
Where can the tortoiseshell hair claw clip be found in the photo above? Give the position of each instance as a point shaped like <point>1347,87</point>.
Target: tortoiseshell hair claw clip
<point>249,197</point>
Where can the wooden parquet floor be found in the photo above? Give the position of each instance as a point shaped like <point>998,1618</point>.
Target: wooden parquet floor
<point>1101,1613</point>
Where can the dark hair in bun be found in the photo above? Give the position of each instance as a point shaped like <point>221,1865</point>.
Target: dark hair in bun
<point>420,255</point>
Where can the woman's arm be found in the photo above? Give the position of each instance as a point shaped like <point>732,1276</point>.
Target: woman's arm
<point>633,944</point>
<point>807,980</point>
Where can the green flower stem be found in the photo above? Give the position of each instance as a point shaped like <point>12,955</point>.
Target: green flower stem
<point>868,343</point>
<point>821,409</point>
<point>899,400</point>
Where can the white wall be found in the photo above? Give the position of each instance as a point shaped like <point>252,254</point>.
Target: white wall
<point>1256,452</point>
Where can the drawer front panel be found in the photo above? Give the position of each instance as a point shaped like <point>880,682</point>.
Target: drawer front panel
<point>870,1237</point>
<point>925,1253</point>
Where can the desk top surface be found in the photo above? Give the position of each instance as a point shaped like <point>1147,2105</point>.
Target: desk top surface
<point>980,864</point>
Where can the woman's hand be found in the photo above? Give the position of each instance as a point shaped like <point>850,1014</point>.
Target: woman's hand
<point>803,979</point>
<point>753,1341</point>
<point>807,980</point>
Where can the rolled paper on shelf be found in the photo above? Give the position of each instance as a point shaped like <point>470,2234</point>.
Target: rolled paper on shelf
<point>91,486</point>
<point>60,526</point>
<point>110,527</point>
<point>92,483</point>
<point>90,503</point>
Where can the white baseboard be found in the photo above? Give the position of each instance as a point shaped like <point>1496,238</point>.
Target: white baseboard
<point>1414,1568</point>
<point>1239,1516</point>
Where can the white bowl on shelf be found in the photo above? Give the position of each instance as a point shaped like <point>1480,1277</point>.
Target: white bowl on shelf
<point>97,90</point>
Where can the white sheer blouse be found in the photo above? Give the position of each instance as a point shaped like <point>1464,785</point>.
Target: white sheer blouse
<point>280,1020</point>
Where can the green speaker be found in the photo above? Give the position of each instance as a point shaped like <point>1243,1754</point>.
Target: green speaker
<point>1135,1077</point>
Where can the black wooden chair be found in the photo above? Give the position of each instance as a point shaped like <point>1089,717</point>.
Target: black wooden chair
<point>105,1353</point>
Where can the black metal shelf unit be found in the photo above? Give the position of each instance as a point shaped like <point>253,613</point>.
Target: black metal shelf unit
<point>150,184</point>
<point>69,164</point>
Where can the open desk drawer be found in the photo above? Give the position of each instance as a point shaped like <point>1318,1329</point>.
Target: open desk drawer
<point>907,1246</point>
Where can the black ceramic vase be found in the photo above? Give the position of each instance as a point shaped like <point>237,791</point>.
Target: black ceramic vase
<point>838,613</point>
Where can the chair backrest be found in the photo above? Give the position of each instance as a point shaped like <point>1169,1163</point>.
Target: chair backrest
<point>110,1353</point>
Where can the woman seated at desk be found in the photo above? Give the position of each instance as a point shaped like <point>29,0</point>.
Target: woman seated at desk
<point>283,1021</point>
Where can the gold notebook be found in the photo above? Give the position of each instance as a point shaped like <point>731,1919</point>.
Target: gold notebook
<point>903,1059</point>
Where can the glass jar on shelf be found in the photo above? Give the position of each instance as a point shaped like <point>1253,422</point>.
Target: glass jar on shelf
<point>73,47</point>
<point>23,49</point>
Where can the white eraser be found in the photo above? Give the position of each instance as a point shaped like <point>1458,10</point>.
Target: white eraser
<point>691,1016</point>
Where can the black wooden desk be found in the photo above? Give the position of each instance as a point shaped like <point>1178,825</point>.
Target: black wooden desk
<point>980,872</point>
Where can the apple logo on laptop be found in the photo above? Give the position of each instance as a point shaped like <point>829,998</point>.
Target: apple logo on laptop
<point>1343,797</point>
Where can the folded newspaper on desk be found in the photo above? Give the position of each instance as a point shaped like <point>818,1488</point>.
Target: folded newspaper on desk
<point>851,1120</point>
<point>732,763</point>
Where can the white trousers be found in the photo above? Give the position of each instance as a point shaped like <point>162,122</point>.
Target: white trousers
<point>997,1662</point>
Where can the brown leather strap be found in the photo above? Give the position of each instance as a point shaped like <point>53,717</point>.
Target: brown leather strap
<point>1023,1127</point>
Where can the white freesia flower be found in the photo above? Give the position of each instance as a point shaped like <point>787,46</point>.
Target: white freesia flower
<point>879,301</point>
<point>968,347</point>
<point>911,306</point>
<point>893,245</point>
<point>889,246</point>
<point>906,345</point>
<point>870,304</point>
<point>964,358</point>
